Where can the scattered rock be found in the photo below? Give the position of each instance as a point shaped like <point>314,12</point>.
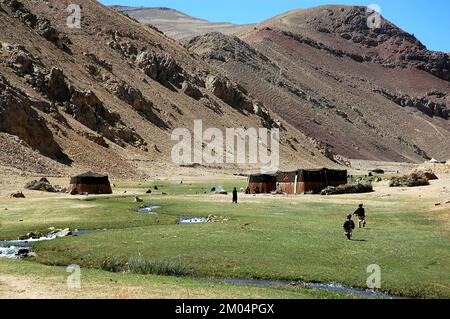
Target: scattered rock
<point>97,139</point>
<point>17,195</point>
<point>61,232</point>
<point>23,252</point>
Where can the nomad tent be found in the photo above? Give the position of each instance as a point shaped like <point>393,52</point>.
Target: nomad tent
<point>262,183</point>
<point>90,183</point>
<point>286,182</point>
<point>309,180</point>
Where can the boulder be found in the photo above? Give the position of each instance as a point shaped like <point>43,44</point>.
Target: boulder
<point>191,90</point>
<point>17,195</point>
<point>62,233</point>
<point>23,252</point>
<point>57,88</point>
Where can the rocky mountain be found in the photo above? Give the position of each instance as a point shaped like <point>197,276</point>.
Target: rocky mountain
<point>366,93</point>
<point>108,95</point>
<point>176,24</point>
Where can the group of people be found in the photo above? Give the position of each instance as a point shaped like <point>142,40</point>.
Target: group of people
<point>349,224</point>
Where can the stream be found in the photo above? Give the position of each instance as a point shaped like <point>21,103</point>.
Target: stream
<point>321,286</point>
<point>15,249</point>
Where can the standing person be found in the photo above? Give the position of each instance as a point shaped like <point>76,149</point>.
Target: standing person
<point>361,213</point>
<point>235,196</point>
<point>349,225</point>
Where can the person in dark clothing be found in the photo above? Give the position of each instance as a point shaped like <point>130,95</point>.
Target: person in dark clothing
<point>361,213</point>
<point>349,225</point>
<point>235,196</point>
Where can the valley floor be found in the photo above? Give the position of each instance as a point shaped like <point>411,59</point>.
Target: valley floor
<point>295,238</point>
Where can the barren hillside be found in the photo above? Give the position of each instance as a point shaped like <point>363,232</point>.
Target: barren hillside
<point>365,93</point>
<point>108,95</point>
<point>176,25</point>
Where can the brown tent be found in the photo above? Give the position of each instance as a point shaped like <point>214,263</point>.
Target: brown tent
<point>90,183</point>
<point>310,180</point>
<point>286,182</point>
<point>262,183</point>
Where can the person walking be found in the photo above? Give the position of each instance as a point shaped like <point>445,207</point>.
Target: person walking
<point>361,213</point>
<point>349,226</point>
<point>235,196</point>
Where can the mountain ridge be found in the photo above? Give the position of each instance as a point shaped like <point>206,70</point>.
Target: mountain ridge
<point>311,70</point>
<point>109,95</point>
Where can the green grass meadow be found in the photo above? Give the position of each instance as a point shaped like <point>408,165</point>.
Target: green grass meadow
<point>263,237</point>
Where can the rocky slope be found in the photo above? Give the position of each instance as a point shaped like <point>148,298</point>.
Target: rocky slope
<point>107,96</point>
<point>362,93</point>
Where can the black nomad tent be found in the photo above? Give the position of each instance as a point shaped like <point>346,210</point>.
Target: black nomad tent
<point>90,183</point>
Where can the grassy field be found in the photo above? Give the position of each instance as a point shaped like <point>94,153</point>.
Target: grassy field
<point>25,279</point>
<point>294,238</point>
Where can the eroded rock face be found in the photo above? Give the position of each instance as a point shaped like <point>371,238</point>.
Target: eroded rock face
<point>57,88</point>
<point>387,45</point>
<point>41,25</point>
<point>224,48</point>
<point>131,95</point>
<point>87,109</point>
<point>100,62</point>
<point>228,92</point>
<point>134,97</point>
<point>191,90</point>
<point>24,64</point>
<point>161,68</point>
<point>426,104</point>
<point>97,139</point>
<point>19,118</point>
<point>126,49</point>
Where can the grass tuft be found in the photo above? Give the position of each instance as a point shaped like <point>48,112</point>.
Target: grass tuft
<point>140,265</point>
<point>114,264</point>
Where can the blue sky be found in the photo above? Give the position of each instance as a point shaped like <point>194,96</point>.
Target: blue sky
<point>428,20</point>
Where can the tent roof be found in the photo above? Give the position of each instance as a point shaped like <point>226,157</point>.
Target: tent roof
<point>90,174</point>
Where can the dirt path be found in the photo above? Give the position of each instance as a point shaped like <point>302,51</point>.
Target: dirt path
<point>26,287</point>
